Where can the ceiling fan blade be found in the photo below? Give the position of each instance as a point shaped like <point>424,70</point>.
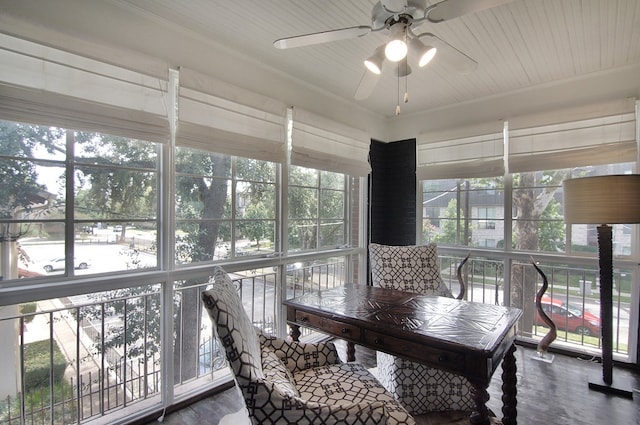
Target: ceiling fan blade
<point>449,56</point>
<point>367,84</point>
<point>321,37</point>
<point>394,6</point>
<point>449,9</point>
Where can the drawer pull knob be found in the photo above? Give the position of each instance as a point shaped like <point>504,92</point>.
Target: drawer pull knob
<point>378,341</point>
<point>304,319</point>
<point>443,358</point>
<point>345,330</point>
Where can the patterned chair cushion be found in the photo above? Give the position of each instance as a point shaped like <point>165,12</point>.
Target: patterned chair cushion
<point>407,268</point>
<point>418,387</point>
<point>297,356</point>
<point>422,389</point>
<point>348,384</point>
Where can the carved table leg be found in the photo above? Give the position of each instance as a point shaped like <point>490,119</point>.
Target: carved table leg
<point>295,332</point>
<point>509,390</point>
<point>480,396</point>
<point>351,352</point>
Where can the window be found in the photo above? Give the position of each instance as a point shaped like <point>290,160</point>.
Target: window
<point>463,212</point>
<point>113,203</point>
<point>225,206</point>
<point>92,196</point>
<point>317,202</point>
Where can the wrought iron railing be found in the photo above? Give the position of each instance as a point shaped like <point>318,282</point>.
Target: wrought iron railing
<point>102,352</point>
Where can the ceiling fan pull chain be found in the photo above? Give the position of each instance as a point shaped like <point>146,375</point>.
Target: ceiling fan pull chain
<point>398,105</point>
<point>406,79</point>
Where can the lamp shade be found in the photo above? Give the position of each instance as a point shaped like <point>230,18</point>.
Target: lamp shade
<point>422,52</point>
<point>375,61</point>
<point>611,199</point>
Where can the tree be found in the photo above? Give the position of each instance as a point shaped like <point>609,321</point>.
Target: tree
<point>530,203</point>
<point>256,226</point>
<point>449,224</point>
<point>303,208</point>
<point>119,180</point>
<point>19,190</point>
<point>202,196</point>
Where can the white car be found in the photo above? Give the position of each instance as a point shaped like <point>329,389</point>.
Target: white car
<point>58,264</point>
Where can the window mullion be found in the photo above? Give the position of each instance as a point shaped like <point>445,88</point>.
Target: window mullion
<point>69,228</point>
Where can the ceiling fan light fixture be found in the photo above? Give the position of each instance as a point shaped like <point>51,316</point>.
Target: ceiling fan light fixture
<point>396,48</point>
<point>375,61</point>
<point>403,69</point>
<point>422,52</point>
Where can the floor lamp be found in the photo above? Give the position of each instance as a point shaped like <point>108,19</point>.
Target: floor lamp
<point>604,200</point>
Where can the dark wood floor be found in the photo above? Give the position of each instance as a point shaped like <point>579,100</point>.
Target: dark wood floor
<point>548,394</point>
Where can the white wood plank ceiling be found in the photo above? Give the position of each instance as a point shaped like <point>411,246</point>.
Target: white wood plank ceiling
<point>520,45</point>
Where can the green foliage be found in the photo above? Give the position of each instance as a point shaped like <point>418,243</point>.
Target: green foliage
<point>19,141</point>
<point>119,179</point>
<point>37,364</point>
<point>28,308</point>
<point>449,225</point>
<point>551,233</point>
<point>258,224</point>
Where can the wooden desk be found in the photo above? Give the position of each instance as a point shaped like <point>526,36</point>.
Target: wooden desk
<point>470,339</point>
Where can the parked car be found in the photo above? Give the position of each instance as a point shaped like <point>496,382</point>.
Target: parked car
<point>58,264</point>
<point>569,317</point>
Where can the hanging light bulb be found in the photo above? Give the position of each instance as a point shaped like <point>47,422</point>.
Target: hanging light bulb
<point>375,61</point>
<point>422,52</point>
<point>396,48</point>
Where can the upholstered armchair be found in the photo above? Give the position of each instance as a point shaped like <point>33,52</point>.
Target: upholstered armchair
<point>419,388</point>
<point>291,382</point>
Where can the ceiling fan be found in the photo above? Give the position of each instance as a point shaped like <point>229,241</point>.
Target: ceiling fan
<point>401,19</point>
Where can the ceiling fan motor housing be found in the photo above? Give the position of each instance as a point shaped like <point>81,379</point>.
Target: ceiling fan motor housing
<point>386,10</point>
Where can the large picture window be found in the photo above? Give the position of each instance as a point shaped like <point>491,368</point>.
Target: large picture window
<point>112,209</point>
<point>225,206</point>
<point>504,223</point>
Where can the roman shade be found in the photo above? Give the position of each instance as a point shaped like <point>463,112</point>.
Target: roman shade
<point>463,157</point>
<point>601,134</point>
<point>46,86</point>
<point>325,144</point>
<point>217,117</point>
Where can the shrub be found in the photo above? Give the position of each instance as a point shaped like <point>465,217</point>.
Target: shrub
<point>28,308</point>
<point>37,364</point>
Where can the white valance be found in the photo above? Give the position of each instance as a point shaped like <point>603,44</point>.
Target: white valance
<point>47,86</point>
<point>594,141</point>
<point>325,144</point>
<point>466,157</point>
<point>217,117</point>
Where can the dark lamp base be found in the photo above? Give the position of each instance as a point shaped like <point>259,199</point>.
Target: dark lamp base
<point>620,387</point>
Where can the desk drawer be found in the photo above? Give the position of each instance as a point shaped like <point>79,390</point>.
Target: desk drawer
<point>397,346</point>
<point>333,327</point>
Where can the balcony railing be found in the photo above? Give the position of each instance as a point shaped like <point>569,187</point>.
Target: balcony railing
<point>92,356</point>
<point>573,294</point>
<point>89,357</point>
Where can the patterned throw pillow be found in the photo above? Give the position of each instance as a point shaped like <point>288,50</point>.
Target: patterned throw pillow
<point>412,268</point>
<point>234,327</point>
